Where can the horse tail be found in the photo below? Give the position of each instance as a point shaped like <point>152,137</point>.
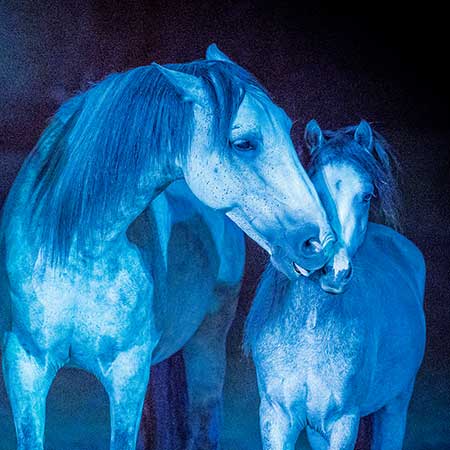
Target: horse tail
<point>269,293</point>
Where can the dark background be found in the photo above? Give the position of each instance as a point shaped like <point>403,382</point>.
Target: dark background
<point>336,65</point>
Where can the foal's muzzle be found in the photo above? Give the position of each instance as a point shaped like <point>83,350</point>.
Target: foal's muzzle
<point>335,283</point>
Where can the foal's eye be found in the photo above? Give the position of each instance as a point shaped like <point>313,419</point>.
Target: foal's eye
<point>367,197</point>
<point>243,145</point>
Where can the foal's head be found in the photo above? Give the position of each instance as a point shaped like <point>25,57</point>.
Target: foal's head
<point>351,171</point>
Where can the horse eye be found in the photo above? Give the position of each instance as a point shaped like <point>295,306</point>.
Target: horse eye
<point>243,145</point>
<point>367,197</point>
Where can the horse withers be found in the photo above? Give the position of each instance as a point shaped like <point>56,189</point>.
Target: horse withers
<point>348,341</point>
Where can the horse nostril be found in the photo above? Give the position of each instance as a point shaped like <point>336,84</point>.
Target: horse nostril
<point>311,247</point>
<point>349,273</point>
<point>329,241</point>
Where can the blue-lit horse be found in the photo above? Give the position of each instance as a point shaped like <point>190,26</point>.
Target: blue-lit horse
<point>75,290</point>
<point>323,361</point>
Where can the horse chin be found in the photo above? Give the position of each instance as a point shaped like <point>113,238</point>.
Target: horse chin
<point>291,269</point>
<point>331,287</point>
<point>301,270</point>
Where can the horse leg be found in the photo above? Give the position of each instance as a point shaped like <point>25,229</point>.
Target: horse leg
<point>205,361</point>
<point>343,432</point>
<point>125,381</point>
<point>389,423</point>
<point>316,440</point>
<point>28,378</point>
<point>279,429</point>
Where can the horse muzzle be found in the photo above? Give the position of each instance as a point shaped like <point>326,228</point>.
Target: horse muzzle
<point>312,254</point>
<point>335,282</point>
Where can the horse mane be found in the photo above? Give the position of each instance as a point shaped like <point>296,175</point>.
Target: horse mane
<point>115,135</point>
<point>380,164</point>
<point>269,293</point>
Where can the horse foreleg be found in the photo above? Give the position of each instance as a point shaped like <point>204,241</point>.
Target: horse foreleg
<point>279,429</point>
<point>343,432</point>
<point>205,361</point>
<point>125,381</point>
<point>389,423</point>
<point>28,378</point>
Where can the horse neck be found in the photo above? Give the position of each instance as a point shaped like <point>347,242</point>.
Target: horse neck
<point>307,301</point>
<point>149,189</point>
<point>126,210</point>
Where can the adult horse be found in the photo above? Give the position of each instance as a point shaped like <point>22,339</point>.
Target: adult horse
<point>76,290</point>
<point>323,361</point>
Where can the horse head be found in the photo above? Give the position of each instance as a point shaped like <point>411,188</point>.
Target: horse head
<point>242,161</point>
<point>349,170</point>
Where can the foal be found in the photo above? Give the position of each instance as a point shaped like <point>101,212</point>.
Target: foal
<point>323,361</point>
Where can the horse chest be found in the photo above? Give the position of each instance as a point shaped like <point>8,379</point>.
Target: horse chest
<point>85,311</point>
<point>319,354</point>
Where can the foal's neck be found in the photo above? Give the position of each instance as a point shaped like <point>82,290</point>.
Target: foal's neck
<point>308,302</point>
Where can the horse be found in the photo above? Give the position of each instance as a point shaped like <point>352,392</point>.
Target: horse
<point>328,350</point>
<point>75,289</point>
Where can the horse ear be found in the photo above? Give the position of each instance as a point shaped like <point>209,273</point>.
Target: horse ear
<point>363,135</point>
<point>214,54</point>
<point>188,86</point>
<point>313,135</point>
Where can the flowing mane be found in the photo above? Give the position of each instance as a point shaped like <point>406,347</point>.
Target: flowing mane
<point>123,129</point>
<point>380,164</point>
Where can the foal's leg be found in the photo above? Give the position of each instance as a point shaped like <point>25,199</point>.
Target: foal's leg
<point>28,377</point>
<point>279,429</point>
<point>125,381</point>
<point>389,423</point>
<point>205,361</point>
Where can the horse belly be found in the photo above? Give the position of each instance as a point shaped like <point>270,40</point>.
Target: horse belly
<point>179,314</point>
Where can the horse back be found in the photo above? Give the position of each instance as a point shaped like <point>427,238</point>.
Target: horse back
<point>392,280</point>
<point>396,252</point>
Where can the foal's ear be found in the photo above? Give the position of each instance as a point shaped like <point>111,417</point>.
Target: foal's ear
<point>363,135</point>
<point>214,54</point>
<point>188,86</point>
<point>313,135</point>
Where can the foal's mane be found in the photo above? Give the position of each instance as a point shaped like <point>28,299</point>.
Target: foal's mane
<point>379,163</point>
<point>125,128</point>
